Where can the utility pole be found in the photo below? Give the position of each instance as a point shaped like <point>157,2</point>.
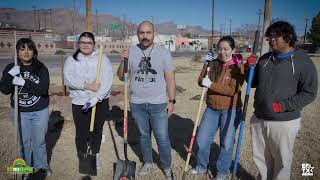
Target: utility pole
<point>230,33</point>
<point>51,25</point>
<point>259,13</point>
<point>123,28</point>
<point>212,20</point>
<point>38,10</point>
<point>221,31</point>
<point>97,28</point>
<point>257,36</point>
<point>73,28</point>
<point>88,15</point>
<point>266,24</point>
<point>34,17</point>
<point>44,12</point>
<point>305,31</point>
<point>225,26</point>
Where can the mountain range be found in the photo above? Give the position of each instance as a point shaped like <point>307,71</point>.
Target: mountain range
<point>66,22</point>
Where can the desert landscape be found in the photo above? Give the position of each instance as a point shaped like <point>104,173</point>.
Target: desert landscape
<point>61,132</point>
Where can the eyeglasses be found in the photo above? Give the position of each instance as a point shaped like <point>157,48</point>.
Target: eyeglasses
<point>86,43</point>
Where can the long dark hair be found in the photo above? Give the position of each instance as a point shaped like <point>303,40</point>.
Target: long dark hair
<point>284,29</point>
<point>216,65</point>
<point>22,43</point>
<point>84,34</point>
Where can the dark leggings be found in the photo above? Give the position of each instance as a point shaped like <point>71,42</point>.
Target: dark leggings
<point>82,123</point>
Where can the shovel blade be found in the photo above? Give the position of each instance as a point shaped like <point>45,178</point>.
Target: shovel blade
<point>125,169</point>
<point>88,165</point>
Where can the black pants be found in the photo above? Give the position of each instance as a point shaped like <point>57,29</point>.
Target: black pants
<point>82,123</point>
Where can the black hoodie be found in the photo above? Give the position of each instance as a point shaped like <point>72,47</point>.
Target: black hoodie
<point>33,95</point>
<point>292,81</point>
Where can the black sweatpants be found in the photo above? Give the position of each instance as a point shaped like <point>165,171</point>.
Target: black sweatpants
<point>82,123</point>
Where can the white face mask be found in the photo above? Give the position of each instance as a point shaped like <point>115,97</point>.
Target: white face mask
<point>227,59</point>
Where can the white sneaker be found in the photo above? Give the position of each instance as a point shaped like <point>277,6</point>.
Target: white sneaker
<point>146,169</point>
<point>196,171</point>
<point>221,177</point>
<point>169,174</point>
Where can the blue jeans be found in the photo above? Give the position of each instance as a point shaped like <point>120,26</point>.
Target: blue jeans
<point>228,121</point>
<point>34,126</point>
<point>153,116</point>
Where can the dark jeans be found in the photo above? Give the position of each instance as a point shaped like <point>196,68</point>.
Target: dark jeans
<point>82,123</point>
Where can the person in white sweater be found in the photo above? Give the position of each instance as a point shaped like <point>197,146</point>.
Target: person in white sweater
<point>80,71</point>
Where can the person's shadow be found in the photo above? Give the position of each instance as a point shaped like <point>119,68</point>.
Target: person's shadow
<point>116,115</point>
<point>55,126</point>
<point>180,131</point>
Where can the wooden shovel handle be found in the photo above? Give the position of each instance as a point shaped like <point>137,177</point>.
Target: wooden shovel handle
<point>93,113</point>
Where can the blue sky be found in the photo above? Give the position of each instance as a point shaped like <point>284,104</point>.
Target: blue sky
<point>187,12</point>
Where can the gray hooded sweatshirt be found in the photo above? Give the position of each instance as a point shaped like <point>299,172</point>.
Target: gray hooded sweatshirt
<point>76,73</point>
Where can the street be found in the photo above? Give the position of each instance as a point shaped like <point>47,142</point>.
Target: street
<point>53,62</point>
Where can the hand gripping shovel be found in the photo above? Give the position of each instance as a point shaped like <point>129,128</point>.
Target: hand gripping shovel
<point>125,169</point>
<point>193,137</point>
<point>88,160</point>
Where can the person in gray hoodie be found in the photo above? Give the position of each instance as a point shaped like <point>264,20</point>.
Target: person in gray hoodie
<point>286,81</point>
<point>80,75</point>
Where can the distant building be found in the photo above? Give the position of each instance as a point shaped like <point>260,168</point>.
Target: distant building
<point>182,41</point>
<point>199,44</point>
<point>167,41</point>
<point>98,38</point>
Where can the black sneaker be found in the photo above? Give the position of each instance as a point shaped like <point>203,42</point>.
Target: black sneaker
<point>43,172</point>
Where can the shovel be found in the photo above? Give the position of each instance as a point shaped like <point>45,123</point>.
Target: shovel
<point>88,160</point>
<point>125,169</point>
<point>246,100</point>
<point>195,127</point>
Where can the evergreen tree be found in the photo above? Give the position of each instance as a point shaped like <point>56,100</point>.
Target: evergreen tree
<point>314,34</point>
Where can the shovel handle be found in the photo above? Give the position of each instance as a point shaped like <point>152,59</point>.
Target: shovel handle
<point>242,124</point>
<point>125,118</point>
<point>16,105</point>
<point>93,113</point>
<point>204,89</point>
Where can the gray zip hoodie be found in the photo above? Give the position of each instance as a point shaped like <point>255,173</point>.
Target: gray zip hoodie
<point>76,73</point>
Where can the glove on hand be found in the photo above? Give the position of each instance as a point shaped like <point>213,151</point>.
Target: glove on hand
<point>252,60</point>
<point>15,70</point>
<point>276,106</point>
<point>209,57</point>
<point>206,82</point>
<point>92,102</point>
<point>18,81</point>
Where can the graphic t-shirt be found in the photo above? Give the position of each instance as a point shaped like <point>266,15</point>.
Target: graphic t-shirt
<point>33,95</point>
<point>146,74</point>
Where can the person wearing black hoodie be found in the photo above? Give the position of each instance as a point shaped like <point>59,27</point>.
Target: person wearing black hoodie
<point>286,81</point>
<point>32,78</point>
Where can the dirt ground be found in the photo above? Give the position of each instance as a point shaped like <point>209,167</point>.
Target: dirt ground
<point>61,133</point>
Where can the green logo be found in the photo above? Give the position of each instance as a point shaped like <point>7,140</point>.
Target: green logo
<point>19,167</point>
